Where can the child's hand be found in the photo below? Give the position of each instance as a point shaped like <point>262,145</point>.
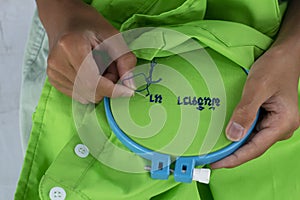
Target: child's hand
<point>74,29</point>
<point>272,84</point>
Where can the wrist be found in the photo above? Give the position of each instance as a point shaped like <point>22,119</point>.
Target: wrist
<point>289,52</point>
<point>59,16</point>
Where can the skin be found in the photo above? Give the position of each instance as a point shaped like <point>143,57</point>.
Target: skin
<point>74,29</point>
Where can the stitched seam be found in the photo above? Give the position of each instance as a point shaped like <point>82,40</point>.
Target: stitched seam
<point>39,49</point>
<point>35,148</point>
<point>84,173</point>
<point>82,195</point>
<point>73,186</point>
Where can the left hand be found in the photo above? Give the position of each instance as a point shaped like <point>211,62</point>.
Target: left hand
<point>272,85</point>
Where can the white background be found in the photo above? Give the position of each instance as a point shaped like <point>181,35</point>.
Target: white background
<point>15,19</point>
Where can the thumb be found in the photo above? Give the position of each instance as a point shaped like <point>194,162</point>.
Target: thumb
<point>121,54</point>
<point>125,64</point>
<point>254,95</point>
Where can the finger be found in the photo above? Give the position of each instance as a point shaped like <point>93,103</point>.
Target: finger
<point>254,148</point>
<point>107,88</point>
<point>58,61</point>
<point>120,53</point>
<point>93,86</point>
<point>59,78</point>
<point>112,73</point>
<point>254,95</point>
<point>88,78</point>
<point>68,92</point>
<point>272,128</point>
<point>88,83</point>
<point>125,64</point>
<point>76,48</point>
<point>280,117</point>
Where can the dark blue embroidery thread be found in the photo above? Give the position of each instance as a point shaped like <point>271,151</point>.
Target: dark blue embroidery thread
<point>156,99</point>
<point>148,79</point>
<point>199,102</point>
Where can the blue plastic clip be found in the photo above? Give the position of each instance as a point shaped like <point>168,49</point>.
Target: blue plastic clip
<point>184,169</point>
<point>160,166</point>
<point>160,163</point>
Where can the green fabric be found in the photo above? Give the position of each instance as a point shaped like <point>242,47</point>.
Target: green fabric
<point>51,161</point>
<point>251,13</point>
<point>222,37</point>
<point>274,175</point>
<point>265,16</point>
<point>105,174</point>
<point>242,52</point>
<point>180,121</point>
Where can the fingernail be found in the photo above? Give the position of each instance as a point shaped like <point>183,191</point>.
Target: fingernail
<point>122,91</point>
<point>235,131</point>
<point>132,84</point>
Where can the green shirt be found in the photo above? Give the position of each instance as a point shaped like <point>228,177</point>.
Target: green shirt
<point>235,33</point>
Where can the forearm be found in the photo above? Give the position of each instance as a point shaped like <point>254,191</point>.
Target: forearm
<point>55,14</point>
<point>290,29</point>
<point>61,17</point>
<point>287,42</point>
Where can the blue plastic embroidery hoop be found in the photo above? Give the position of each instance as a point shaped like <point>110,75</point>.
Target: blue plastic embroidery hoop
<point>160,163</point>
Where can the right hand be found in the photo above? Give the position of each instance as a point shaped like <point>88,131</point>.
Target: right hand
<point>74,29</point>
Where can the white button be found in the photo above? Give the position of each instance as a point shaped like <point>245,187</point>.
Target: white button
<point>57,193</point>
<point>81,150</point>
